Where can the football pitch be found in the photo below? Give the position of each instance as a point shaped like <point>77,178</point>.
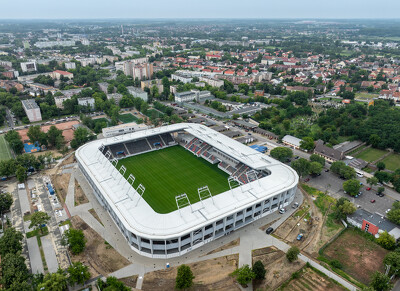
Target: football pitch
<point>172,171</point>
<point>5,152</point>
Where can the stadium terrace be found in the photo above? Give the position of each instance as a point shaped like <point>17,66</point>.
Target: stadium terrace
<point>257,186</point>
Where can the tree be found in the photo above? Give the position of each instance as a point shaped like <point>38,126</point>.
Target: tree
<point>81,136</point>
<point>307,143</point>
<point>301,166</point>
<point>382,176</point>
<point>112,284</point>
<point>352,187</point>
<point>317,158</point>
<point>10,242</point>
<point>381,166</point>
<point>393,260</point>
<point>184,278</point>
<point>381,189</point>
<point>21,174</point>
<point>14,140</point>
<point>386,240</point>
<point>343,208</point>
<point>259,270</point>
<point>55,137</point>
<point>244,275</point>
<point>315,168</point>
<point>35,134</point>
<point>281,153</point>
<point>78,273</point>
<point>13,269</point>
<point>394,214</point>
<point>372,181</point>
<point>292,254</point>
<point>38,219</point>
<point>375,140</point>
<point>380,282</point>
<point>54,281</point>
<point>6,201</point>
<point>76,240</point>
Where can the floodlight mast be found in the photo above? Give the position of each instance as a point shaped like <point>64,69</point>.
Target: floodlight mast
<point>140,189</point>
<point>100,152</point>
<point>182,197</point>
<point>122,171</point>
<point>252,176</point>
<point>204,193</point>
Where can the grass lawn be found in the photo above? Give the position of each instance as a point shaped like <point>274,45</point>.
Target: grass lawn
<point>173,171</point>
<point>358,255</point>
<point>392,162</point>
<point>128,117</point>
<point>370,154</point>
<point>366,95</point>
<point>154,113</point>
<point>5,153</point>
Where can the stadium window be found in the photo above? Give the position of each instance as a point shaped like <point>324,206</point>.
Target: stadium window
<point>145,240</point>
<point>158,242</point>
<point>219,222</point>
<point>209,226</point>
<point>185,236</point>
<point>239,213</point>
<point>249,209</point>
<point>258,205</point>
<point>229,217</point>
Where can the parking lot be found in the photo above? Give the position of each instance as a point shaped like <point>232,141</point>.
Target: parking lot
<point>333,185</point>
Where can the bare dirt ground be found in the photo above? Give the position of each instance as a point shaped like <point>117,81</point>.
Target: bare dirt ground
<point>278,268</point>
<point>229,245</point>
<point>100,258</point>
<point>95,215</point>
<point>69,160</point>
<point>80,197</point>
<point>309,221</point>
<point>209,275</point>
<point>66,128</point>
<point>310,280</point>
<point>60,183</point>
<point>359,256</point>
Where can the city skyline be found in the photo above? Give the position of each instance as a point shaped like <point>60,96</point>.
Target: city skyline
<point>90,9</point>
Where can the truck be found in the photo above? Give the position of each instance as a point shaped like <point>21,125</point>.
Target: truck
<point>51,190</point>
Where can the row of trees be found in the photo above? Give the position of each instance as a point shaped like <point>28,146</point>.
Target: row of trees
<point>52,138</point>
<point>14,141</point>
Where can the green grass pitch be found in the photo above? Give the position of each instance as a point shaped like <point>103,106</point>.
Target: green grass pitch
<point>128,117</point>
<point>172,171</point>
<point>5,152</point>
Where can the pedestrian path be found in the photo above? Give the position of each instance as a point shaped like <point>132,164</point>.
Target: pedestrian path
<point>34,254</point>
<point>49,253</point>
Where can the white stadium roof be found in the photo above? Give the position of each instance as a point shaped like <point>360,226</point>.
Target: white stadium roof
<point>144,221</point>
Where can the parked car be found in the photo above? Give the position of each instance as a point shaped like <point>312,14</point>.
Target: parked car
<point>381,195</point>
<point>300,236</point>
<point>269,230</point>
<point>327,170</point>
<point>368,189</point>
<point>307,179</point>
<point>282,210</point>
<point>372,201</point>
<point>295,205</point>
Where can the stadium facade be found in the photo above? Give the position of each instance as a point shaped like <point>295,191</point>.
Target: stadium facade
<point>259,186</point>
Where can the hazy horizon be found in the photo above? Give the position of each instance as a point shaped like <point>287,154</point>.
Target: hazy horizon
<point>207,9</point>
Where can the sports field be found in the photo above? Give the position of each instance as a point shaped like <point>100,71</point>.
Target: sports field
<point>392,162</point>
<point>128,117</point>
<point>5,152</point>
<point>370,154</point>
<point>173,171</point>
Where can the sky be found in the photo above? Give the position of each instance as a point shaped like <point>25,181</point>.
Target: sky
<point>99,9</point>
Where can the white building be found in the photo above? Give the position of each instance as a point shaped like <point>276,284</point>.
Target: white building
<point>116,96</point>
<point>123,129</point>
<point>47,44</point>
<point>137,92</point>
<point>166,235</point>
<point>184,78</point>
<point>86,101</point>
<point>212,82</point>
<point>70,66</point>
<point>32,110</point>
<point>28,67</point>
<point>188,96</point>
<point>59,100</point>
<point>292,141</point>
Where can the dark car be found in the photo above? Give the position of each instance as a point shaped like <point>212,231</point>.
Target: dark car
<point>307,179</point>
<point>327,170</point>
<point>269,230</point>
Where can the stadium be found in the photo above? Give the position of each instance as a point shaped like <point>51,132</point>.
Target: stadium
<point>175,188</point>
